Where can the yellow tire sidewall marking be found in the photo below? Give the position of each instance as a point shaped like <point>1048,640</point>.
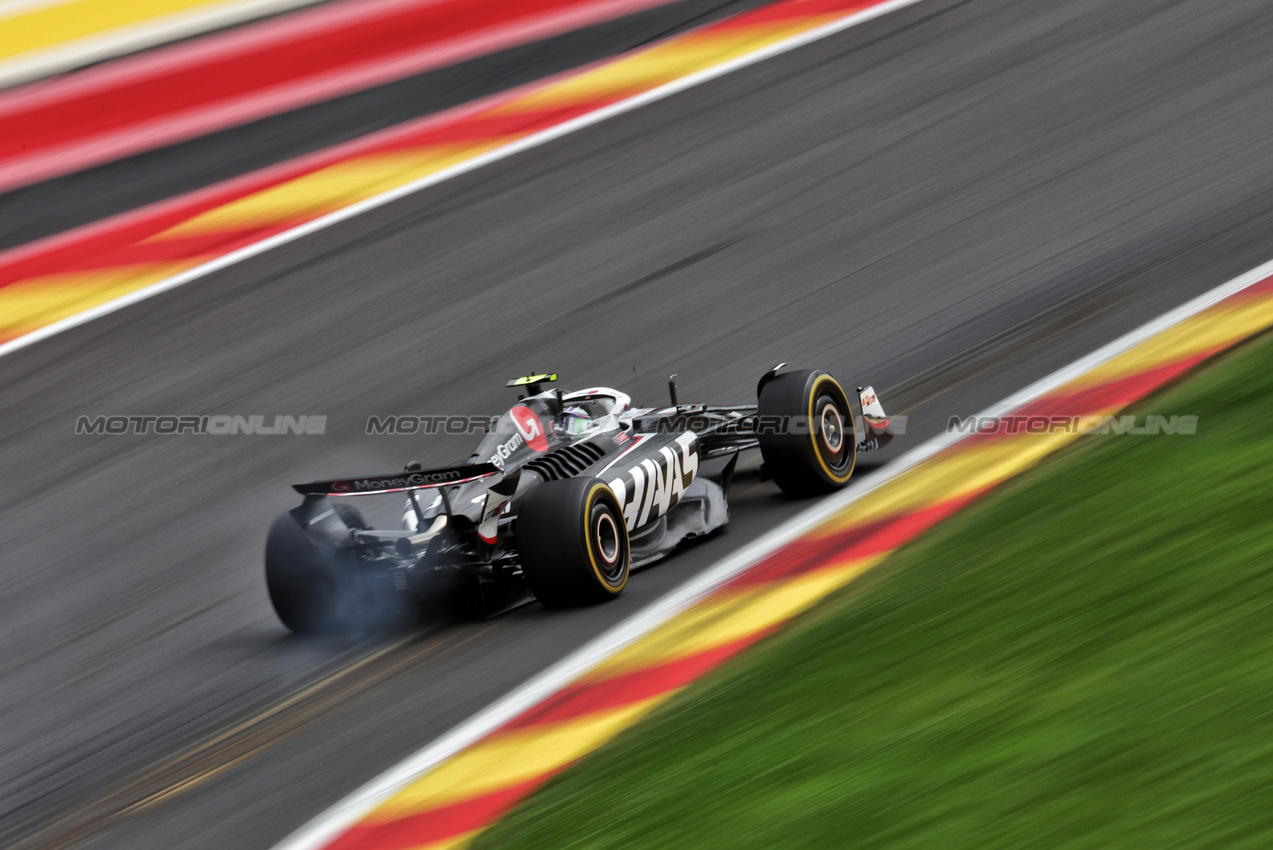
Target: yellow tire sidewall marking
<point>818,382</point>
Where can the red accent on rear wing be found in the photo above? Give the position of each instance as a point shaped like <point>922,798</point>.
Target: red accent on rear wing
<point>397,482</point>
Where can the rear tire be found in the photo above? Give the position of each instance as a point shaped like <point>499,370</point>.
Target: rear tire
<point>573,543</point>
<point>315,586</point>
<point>305,579</point>
<point>817,456</point>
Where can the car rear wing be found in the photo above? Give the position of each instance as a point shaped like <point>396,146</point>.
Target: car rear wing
<point>397,482</point>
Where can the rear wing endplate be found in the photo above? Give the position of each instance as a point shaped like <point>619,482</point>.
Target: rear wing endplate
<point>397,482</point>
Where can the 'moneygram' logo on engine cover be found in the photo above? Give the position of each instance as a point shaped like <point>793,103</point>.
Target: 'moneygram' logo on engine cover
<point>649,489</point>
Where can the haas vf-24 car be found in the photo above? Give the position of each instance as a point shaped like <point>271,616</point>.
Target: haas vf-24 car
<point>563,497</point>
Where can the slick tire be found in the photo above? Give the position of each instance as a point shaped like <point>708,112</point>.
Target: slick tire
<point>306,579</point>
<point>573,543</point>
<point>316,587</point>
<point>807,436</point>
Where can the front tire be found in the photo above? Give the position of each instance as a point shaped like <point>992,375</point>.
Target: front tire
<point>573,543</point>
<point>807,437</point>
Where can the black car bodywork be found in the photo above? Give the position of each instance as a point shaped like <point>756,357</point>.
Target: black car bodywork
<point>636,491</point>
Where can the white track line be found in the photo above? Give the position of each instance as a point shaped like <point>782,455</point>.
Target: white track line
<point>533,141</point>
<point>330,823</point>
<point>12,8</point>
<point>129,38</point>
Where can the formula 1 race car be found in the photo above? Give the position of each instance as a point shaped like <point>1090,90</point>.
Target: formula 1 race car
<point>566,494</point>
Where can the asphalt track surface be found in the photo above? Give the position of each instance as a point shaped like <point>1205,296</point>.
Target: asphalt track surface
<point>949,202</point>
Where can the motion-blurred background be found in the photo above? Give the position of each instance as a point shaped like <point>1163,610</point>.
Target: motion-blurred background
<point>948,200</point>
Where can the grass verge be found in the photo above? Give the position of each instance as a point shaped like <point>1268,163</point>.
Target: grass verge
<point>1084,659</point>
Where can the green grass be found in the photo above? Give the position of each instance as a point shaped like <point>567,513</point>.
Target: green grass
<point>1084,659</point>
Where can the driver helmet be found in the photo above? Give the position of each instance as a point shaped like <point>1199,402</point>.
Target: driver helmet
<point>574,421</point>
